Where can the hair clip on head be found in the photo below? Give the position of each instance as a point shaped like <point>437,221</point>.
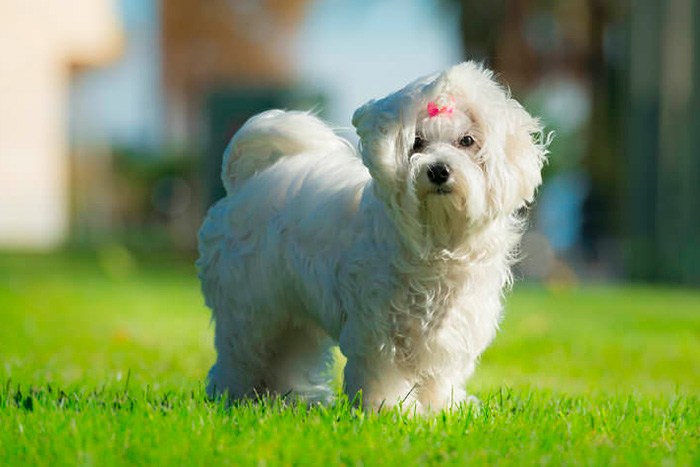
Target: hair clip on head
<point>435,108</point>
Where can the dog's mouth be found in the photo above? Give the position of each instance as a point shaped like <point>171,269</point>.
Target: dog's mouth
<point>441,191</point>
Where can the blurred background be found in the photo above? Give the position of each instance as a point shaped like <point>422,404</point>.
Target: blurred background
<point>114,113</point>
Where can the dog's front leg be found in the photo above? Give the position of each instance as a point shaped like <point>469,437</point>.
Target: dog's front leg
<point>445,390</point>
<point>381,384</point>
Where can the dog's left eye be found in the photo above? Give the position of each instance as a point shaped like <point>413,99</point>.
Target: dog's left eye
<point>466,141</point>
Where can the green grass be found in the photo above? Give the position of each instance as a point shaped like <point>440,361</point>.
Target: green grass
<point>102,361</point>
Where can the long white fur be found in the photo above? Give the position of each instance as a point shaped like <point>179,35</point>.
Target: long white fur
<point>316,244</point>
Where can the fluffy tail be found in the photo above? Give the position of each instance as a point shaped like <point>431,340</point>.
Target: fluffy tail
<point>270,136</point>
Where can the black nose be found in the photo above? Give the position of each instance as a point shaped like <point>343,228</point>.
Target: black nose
<point>438,173</point>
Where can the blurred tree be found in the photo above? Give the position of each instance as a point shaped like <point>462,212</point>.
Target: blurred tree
<point>493,32</point>
<point>639,61</point>
<point>527,41</point>
<point>661,148</point>
<point>692,260</point>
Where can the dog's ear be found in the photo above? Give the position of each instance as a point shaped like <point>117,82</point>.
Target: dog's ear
<point>385,127</point>
<point>363,119</point>
<point>525,153</point>
<point>377,124</point>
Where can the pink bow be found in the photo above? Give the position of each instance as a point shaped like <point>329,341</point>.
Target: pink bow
<point>435,110</point>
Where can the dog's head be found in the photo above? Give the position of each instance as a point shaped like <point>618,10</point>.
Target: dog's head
<point>451,152</point>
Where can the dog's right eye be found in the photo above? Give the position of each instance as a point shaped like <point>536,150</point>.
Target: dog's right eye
<point>418,143</point>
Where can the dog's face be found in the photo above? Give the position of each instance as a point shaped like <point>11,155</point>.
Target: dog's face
<point>451,152</point>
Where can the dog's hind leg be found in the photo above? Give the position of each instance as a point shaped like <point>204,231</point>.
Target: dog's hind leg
<point>242,355</point>
<point>300,364</point>
<point>227,378</point>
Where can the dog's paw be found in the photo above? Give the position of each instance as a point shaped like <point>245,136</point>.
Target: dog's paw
<point>473,404</point>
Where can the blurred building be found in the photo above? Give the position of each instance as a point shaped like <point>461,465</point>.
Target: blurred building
<point>223,61</point>
<point>39,43</point>
<point>98,97</point>
<point>220,44</point>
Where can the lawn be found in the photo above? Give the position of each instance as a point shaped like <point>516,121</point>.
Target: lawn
<point>102,360</point>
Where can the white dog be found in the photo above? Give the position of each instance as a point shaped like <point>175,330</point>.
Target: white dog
<point>399,253</point>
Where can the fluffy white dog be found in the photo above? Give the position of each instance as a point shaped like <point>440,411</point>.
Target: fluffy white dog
<point>399,253</point>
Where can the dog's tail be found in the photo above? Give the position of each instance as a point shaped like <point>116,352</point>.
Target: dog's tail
<point>270,136</point>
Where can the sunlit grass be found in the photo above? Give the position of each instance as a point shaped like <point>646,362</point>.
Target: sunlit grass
<point>102,359</point>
